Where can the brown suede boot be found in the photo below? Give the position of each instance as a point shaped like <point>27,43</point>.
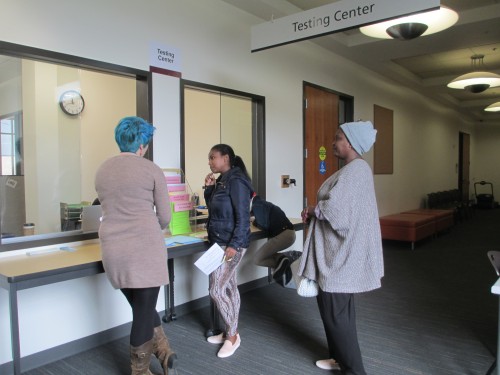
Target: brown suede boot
<point>140,357</point>
<point>162,350</point>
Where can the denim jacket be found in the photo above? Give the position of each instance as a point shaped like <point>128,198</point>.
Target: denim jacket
<point>228,203</point>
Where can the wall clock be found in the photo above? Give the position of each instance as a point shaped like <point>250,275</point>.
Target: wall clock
<point>71,102</point>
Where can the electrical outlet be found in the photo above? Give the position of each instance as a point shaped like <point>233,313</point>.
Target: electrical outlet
<point>285,181</point>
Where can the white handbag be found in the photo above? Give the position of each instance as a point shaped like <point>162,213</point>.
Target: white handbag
<point>305,287</point>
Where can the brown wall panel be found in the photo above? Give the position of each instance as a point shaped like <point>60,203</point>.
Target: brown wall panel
<point>383,121</point>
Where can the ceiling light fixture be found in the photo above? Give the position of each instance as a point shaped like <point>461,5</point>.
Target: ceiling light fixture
<point>411,27</point>
<point>477,81</point>
<point>495,107</point>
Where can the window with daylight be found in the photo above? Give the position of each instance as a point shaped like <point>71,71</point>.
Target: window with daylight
<point>10,145</point>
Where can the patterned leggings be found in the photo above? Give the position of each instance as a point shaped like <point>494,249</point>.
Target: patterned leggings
<point>223,288</point>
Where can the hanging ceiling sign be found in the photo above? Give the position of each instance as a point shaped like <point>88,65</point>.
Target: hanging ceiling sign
<point>331,18</point>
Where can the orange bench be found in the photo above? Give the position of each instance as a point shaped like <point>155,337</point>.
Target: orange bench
<point>407,227</point>
<point>444,218</point>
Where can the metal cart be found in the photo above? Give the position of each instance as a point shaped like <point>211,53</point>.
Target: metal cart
<point>484,200</point>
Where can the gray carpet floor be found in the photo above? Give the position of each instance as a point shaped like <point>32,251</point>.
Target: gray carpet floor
<point>434,315</point>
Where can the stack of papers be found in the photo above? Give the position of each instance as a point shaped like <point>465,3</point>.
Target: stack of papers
<point>180,206</point>
<point>181,240</point>
<point>179,222</point>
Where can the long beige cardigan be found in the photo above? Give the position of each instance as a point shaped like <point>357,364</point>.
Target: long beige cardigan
<point>134,254</point>
<point>343,252</point>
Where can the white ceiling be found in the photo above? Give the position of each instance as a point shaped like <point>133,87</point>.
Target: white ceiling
<point>425,64</point>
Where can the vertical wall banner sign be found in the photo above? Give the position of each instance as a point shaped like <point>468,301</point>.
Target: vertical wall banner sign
<point>330,18</point>
<point>164,60</point>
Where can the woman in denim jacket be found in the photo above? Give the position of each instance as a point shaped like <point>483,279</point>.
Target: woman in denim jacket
<point>228,201</point>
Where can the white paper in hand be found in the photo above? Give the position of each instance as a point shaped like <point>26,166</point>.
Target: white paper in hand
<point>211,260</point>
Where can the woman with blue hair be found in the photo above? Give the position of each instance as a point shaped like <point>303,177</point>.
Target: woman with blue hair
<point>136,208</point>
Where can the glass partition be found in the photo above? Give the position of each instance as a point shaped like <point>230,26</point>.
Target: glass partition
<point>57,127</point>
<point>222,116</point>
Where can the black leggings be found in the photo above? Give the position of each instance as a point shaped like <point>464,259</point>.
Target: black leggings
<point>144,315</point>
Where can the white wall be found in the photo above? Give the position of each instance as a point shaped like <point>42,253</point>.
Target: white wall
<point>214,39</point>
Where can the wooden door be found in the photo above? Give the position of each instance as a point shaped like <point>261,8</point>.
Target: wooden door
<point>463,165</point>
<point>321,121</point>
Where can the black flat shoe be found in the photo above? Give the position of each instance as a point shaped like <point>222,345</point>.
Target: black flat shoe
<point>288,275</point>
<point>280,269</point>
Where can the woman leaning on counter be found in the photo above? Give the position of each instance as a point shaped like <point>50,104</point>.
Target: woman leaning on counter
<point>135,205</point>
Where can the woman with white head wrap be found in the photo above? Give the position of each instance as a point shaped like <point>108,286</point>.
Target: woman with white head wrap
<point>360,135</point>
<point>343,247</point>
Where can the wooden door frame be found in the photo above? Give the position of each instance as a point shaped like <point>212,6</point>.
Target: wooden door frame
<point>345,113</point>
<point>461,168</point>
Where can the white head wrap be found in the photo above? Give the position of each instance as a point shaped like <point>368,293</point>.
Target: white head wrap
<point>361,135</point>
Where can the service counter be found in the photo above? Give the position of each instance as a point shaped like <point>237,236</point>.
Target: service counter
<point>59,263</point>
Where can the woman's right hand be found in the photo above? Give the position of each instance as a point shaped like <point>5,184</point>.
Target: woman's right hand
<point>307,213</point>
<point>210,179</point>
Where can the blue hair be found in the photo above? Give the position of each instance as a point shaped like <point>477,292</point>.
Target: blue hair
<point>132,132</point>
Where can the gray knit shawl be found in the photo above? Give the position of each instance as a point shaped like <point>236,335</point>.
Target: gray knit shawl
<point>343,252</point>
